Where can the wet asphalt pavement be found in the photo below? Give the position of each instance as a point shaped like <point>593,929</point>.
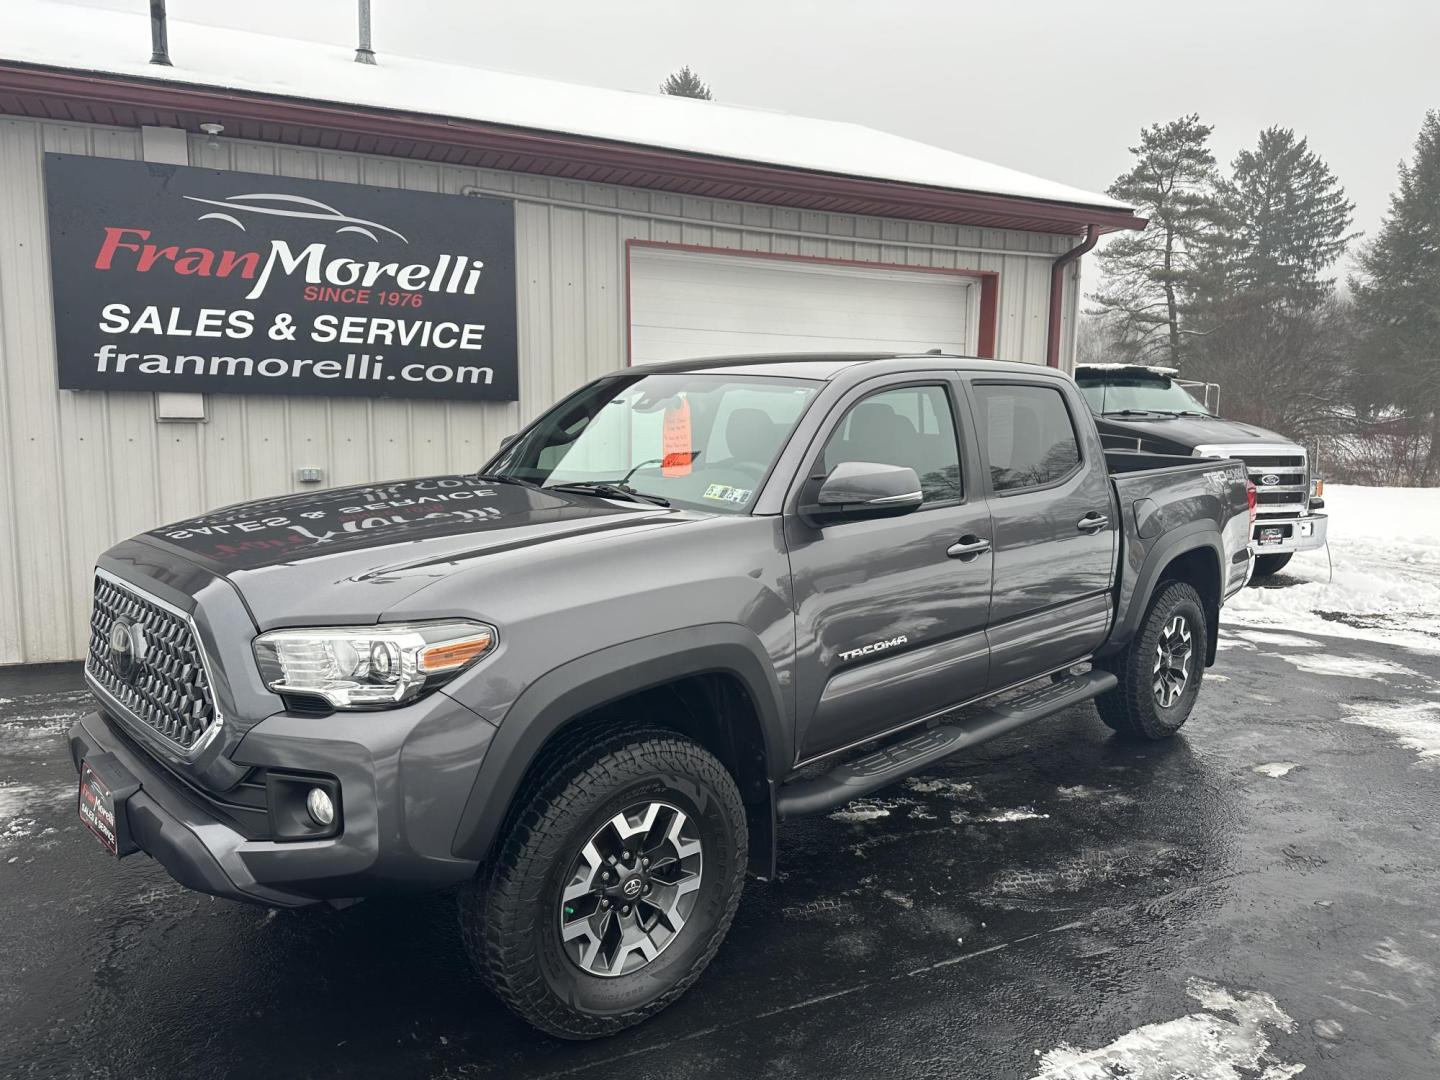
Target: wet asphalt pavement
<point>1059,891</point>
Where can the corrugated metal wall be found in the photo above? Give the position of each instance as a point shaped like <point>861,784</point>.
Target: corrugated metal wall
<point>80,470</point>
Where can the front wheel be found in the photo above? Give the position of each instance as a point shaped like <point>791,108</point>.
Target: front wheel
<point>1161,668</point>
<point>1265,565</point>
<point>614,887</point>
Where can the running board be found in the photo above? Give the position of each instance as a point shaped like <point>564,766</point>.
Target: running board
<point>882,767</point>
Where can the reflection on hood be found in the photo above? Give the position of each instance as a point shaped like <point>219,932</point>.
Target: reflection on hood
<point>292,528</point>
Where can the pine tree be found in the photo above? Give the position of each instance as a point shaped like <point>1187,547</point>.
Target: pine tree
<point>685,83</point>
<point>1398,296</point>
<point>1150,276</point>
<point>1286,220</point>
<point>1270,331</point>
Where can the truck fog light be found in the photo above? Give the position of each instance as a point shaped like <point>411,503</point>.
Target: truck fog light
<point>322,810</point>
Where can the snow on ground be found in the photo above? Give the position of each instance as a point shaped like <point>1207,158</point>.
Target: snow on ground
<point>1265,637</point>
<point>1276,769</point>
<point>1024,813</point>
<point>1354,667</point>
<point>1385,547</point>
<point>1200,1046</point>
<point>1415,725</point>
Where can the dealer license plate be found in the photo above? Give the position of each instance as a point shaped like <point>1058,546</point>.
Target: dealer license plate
<point>1272,536</point>
<point>97,808</point>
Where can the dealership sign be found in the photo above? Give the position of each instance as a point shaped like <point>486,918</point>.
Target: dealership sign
<point>172,278</point>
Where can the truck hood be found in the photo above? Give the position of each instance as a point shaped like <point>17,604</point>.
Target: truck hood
<point>346,555</point>
<point>1184,433</point>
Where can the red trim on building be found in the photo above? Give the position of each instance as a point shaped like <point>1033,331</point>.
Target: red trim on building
<point>989,283</point>
<point>125,101</point>
<point>989,316</point>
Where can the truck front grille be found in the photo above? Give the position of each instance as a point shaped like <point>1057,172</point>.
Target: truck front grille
<point>145,655</point>
<point>1288,492</point>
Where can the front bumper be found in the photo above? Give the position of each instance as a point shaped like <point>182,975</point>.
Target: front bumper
<point>404,777</point>
<point>1305,533</point>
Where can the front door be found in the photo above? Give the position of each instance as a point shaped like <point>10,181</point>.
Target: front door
<point>891,613</point>
<point>1054,529</point>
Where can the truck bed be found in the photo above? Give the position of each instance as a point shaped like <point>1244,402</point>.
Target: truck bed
<point>1162,499</point>
<point>1120,462</point>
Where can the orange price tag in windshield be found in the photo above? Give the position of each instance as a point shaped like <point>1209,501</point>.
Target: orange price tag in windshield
<point>676,438</point>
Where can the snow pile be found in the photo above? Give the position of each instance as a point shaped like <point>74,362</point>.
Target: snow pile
<point>1199,1046</point>
<point>1385,545</point>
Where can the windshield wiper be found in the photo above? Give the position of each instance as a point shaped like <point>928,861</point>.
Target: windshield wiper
<point>503,478</point>
<point>1136,412</point>
<point>611,489</point>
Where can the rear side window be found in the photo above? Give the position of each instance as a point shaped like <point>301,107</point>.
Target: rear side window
<point>1029,438</point>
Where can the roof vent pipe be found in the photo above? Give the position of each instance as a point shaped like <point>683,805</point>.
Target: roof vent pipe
<point>159,38</point>
<point>364,54</point>
<point>1057,293</point>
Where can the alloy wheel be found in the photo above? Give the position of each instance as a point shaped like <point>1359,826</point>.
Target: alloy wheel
<point>631,889</point>
<point>1172,661</point>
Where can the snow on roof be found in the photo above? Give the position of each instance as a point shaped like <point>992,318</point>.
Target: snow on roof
<point>1154,369</point>
<point>57,34</point>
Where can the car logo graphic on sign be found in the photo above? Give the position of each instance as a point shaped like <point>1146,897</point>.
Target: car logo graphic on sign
<point>291,206</point>
<point>1269,480</point>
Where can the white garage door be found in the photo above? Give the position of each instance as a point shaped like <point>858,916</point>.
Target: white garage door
<point>686,303</point>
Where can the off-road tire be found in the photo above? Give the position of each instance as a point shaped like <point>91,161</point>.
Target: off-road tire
<point>1131,708</point>
<point>1266,565</point>
<point>509,916</point>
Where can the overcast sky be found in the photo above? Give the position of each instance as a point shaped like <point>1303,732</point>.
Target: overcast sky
<point>1058,88</point>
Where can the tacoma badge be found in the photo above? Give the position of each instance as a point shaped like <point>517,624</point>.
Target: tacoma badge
<point>873,647</point>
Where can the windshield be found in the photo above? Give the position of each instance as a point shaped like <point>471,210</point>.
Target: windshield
<point>692,439</point>
<point>1118,392</point>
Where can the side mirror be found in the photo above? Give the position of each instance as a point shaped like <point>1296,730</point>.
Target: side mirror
<point>860,490</point>
<point>506,440</point>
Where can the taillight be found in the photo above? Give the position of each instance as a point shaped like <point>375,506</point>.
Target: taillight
<point>1250,500</point>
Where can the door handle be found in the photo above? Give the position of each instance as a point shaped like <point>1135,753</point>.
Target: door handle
<point>1092,522</point>
<point>968,548</point>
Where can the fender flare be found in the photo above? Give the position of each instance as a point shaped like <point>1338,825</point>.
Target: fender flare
<point>598,678</point>
<point>1197,535</point>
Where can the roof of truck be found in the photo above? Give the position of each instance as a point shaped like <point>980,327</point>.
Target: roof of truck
<point>828,365</point>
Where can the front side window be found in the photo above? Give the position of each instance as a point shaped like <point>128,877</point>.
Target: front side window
<point>699,440</point>
<point>911,426</point>
<point>1028,435</point>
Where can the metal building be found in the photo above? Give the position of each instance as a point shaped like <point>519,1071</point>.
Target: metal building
<point>644,229</point>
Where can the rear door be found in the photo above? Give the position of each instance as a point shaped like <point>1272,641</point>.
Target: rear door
<point>1053,526</point>
<point>890,614</point>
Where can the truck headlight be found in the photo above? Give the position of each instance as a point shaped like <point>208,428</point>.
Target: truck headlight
<point>370,667</point>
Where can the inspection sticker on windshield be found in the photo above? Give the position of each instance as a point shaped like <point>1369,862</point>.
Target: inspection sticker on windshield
<point>726,493</point>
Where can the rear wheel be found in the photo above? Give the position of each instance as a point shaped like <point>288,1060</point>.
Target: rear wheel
<point>1160,670</point>
<point>1265,565</point>
<point>614,887</point>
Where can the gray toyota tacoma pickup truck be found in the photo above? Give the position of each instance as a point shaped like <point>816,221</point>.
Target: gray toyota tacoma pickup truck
<point>582,686</point>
